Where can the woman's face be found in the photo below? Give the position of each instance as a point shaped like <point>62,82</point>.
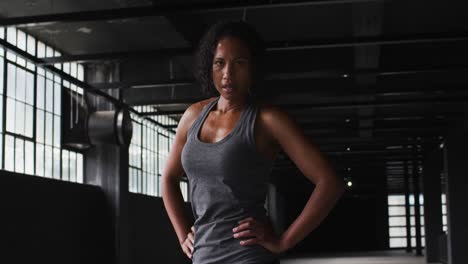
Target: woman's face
<point>232,68</point>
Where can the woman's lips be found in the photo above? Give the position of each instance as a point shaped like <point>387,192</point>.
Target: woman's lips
<point>228,88</point>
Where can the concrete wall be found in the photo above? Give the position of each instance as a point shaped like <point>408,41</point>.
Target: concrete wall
<point>152,237</point>
<point>50,221</point>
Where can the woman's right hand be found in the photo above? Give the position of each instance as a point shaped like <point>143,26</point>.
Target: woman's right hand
<point>187,245</point>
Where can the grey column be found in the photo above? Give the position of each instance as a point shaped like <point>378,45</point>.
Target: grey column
<point>107,166</point>
<point>417,213</point>
<point>432,168</point>
<point>456,160</point>
<point>407,209</point>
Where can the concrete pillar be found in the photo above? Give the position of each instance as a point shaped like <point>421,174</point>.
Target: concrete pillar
<point>432,168</point>
<point>407,208</point>
<point>417,211</point>
<point>456,160</point>
<point>106,166</point>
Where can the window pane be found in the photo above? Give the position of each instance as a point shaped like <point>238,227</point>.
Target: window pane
<point>56,131</point>
<point>29,158</point>
<point>29,88</point>
<point>9,152</point>
<point>1,151</point>
<point>11,56</point>
<point>11,35</point>
<point>160,192</point>
<point>19,155</point>
<point>29,121</point>
<point>21,40</point>
<point>131,180</point>
<point>1,118</point>
<point>397,231</point>
<point>73,69</point>
<point>49,95</point>
<point>40,126</point>
<point>31,45</point>
<point>10,115</point>
<point>183,189</point>
<point>49,129</point>
<point>1,73</point>
<point>40,49</point>
<point>66,67</point>
<point>396,210</point>
<point>49,52</point>
<point>80,72</point>
<point>48,162</point>
<point>56,163</point>
<point>20,108</point>
<point>65,165</point>
<point>30,66</point>
<point>20,85</point>
<point>397,221</point>
<point>40,92</point>
<point>397,242</point>
<point>57,99</point>
<point>396,199</point>
<point>40,159</point>
<point>162,162</point>
<point>79,167</point>
<point>11,81</point>
<point>72,166</point>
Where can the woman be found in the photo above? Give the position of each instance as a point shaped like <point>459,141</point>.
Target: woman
<point>226,146</point>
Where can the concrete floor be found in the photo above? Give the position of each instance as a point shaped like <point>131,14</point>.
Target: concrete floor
<point>384,257</point>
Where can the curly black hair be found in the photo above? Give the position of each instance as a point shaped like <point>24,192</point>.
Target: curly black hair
<point>206,49</point>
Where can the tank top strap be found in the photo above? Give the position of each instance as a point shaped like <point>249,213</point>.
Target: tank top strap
<point>248,123</point>
<point>196,124</point>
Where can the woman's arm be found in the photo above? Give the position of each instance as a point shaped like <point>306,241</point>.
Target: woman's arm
<point>172,174</point>
<point>313,165</point>
<point>328,187</point>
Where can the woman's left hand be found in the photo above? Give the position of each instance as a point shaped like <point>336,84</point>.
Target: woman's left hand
<point>258,232</point>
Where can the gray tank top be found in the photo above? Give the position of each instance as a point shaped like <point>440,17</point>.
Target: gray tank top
<point>228,182</point>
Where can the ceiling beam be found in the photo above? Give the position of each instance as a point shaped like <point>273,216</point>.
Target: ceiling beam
<point>273,77</point>
<point>164,10</point>
<point>278,46</point>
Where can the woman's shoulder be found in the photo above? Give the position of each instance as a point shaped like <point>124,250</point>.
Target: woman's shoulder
<point>268,111</point>
<point>191,113</point>
<point>195,108</point>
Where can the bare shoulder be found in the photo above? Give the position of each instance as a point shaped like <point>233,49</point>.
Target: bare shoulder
<point>190,114</point>
<point>270,115</point>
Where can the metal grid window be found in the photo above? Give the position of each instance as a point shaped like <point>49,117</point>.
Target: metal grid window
<point>397,221</point>
<point>31,112</point>
<point>148,153</point>
<point>444,211</point>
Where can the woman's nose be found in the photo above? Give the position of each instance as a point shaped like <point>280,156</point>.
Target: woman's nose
<point>228,70</point>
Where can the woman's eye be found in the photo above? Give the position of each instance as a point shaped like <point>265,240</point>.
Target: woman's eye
<point>218,63</point>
